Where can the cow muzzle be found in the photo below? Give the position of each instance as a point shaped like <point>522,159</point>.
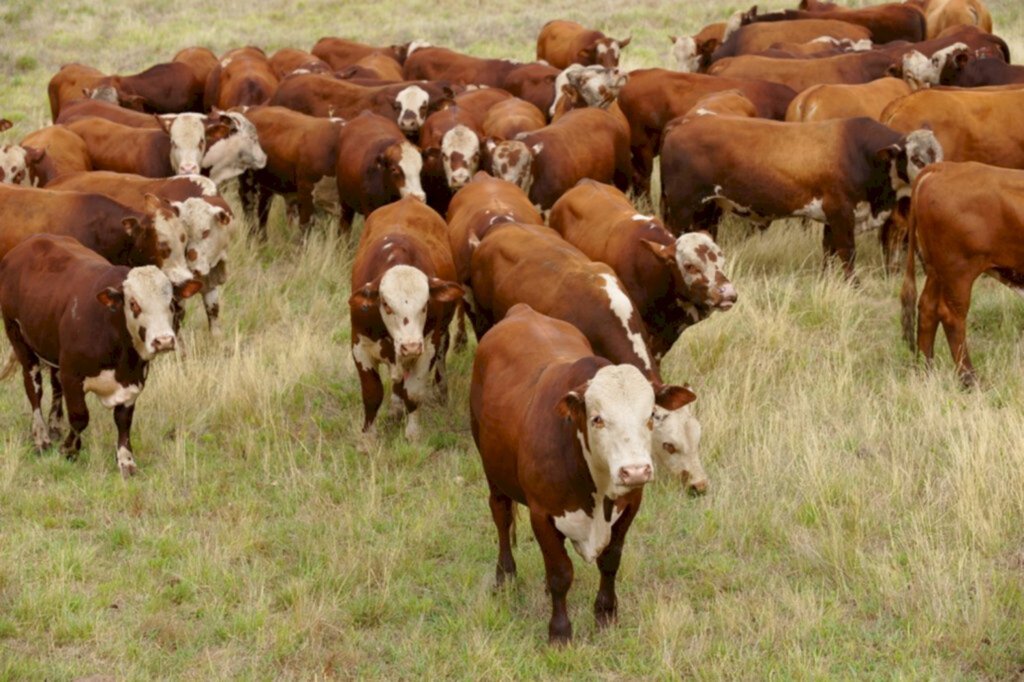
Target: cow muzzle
<point>409,351</point>
<point>188,169</point>
<point>636,475</point>
<point>162,344</point>
<point>409,123</point>
<point>727,296</point>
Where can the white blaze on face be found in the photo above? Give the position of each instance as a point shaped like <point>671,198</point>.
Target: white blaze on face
<point>404,294</point>
<point>412,108</point>
<point>623,309</point>
<point>411,164</point>
<point>238,152</point>
<point>702,264</point>
<point>188,143</point>
<point>675,443</point>
<point>207,235</point>
<point>619,405</point>
<point>460,154</point>
<point>512,160</point>
<point>14,165</point>
<point>172,237</point>
<point>684,52</point>
<point>147,311</point>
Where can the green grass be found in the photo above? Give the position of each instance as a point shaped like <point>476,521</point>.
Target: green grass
<point>865,517</point>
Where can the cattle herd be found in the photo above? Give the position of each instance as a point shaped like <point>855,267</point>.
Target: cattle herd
<point>497,190</point>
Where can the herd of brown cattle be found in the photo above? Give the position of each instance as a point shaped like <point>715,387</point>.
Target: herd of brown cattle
<point>495,189</point>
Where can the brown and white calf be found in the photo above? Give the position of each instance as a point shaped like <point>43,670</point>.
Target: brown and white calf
<point>587,86</point>
<point>844,173</point>
<point>62,152</point>
<point>562,43</point>
<point>96,325</point>
<point>673,282</point>
<point>692,54</point>
<point>566,434</point>
<point>403,299</point>
<point>966,220</point>
<point>16,160</point>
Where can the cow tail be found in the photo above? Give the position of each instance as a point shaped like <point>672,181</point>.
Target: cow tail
<point>8,369</point>
<point>908,294</point>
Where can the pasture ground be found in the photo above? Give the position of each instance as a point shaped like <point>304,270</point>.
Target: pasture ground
<point>865,516</point>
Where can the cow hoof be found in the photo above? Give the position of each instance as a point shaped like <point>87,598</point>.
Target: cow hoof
<point>560,638</point>
<point>55,433</point>
<point>127,469</point>
<point>43,446</point>
<point>70,454</point>
<point>367,441</point>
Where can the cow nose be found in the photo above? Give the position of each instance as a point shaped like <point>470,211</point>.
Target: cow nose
<point>188,169</point>
<point>728,293</point>
<point>635,475</point>
<point>411,350</point>
<point>163,343</point>
<point>698,487</point>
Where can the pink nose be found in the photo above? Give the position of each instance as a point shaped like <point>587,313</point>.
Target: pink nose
<point>728,293</point>
<point>188,169</point>
<point>411,350</point>
<point>163,343</point>
<point>635,475</point>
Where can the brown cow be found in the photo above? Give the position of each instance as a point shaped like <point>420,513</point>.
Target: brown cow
<point>923,64</point>
<point>288,59</point>
<point>376,165</point>
<point>844,173</point>
<point>944,14</point>
<point>96,324</point>
<point>510,117</point>
<point>824,102</point>
<point>755,38</point>
<point>563,432</point>
<point>168,88</point>
<point>963,72</point>
<point>887,22</point>
<point>71,83</point>
<point>562,43</point>
<point>800,74</point>
<point>965,221</point>
<point>377,66</point>
<point>201,60</point>
<point>674,283</point>
<point>403,299</point>
<point>88,108</point>
<point>653,97</point>
<point>584,143</point>
<point>243,77</point>
<point>533,82</point>
<point>692,54</point>
<point>340,53</point>
<point>58,151</point>
<point>724,103</point>
<point>450,140</point>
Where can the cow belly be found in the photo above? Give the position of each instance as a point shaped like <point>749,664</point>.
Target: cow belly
<point>589,535</point>
<point>110,392</point>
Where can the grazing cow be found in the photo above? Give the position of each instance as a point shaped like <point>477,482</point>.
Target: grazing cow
<point>584,143</point>
<point>288,59</point>
<point>887,22</point>
<point>942,15</point>
<point>653,97</point>
<point>755,38</point>
<point>844,173</point>
<point>692,54</point>
<point>377,66</point>
<point>800,74</point>
<point>201,60</point>
<point>302,151</point>
<point>562,43</point>
<point>168,88</point>
<point>16,160</point>
<point>54,151</point>
<point>965,220</point>
<point>96,325</point>
<point>97,108</point>
<point>824,102</point>
<point>340,53</point>
<point>673,282</point>
<point>403,299</point>
<point>243,77</point>
<point>376,165</point>
<point>566,434</point>
<point>963,72</point>
<point>450,140</point>
<point>478,102</point>
<point>508,118</point>
<point>71,83</point>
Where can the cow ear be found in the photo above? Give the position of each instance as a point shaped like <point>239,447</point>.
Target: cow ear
<point>5,124</point>
<point>223,217</point>
<point>672,398</point>
<point>166,121</point>
<point>132,226</point>
<point>381,160</point>
<point>889,153</point>
<point>665,253</point>
<point>895,71</point>
<point>431,155</point>
<point>550,78</point>
<point>111,298</point>
<point>490,145</point>
<point>448,92</point>
<point>708,47</point>
<point>572,406</point>
<point>623,43</point>
<point>154,203</point>
<point>133,102</point>
<point>444,292</point>
<point>364,299</point>
<point>188,289</point>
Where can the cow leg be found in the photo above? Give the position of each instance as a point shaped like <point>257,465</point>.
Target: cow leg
<point>373,393</point>
<point>606,606</point>
<point>178,314</point>
<point>32,377</point>
<point>503,513</point>
<point>123,419</point>
<point>893,236</point>
<point>707,217</point>
<point>643,162</point>
<point>954,303</point>
<point>840,228</point>
<point>56,418</point>
<point>78,413</point>
<point>247,189</point>
<point>441,365</point>
<point>211,302</point>
<point>461,339</point>
<point>264,198</point>
<point>345,219</point>
<point>558,568</point>
<point>928,319</point>
<point>305,206</point>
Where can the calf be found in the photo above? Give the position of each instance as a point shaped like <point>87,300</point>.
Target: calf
<point>69,84</point>
<point>508,118</point>
<point>57,151</point>
<point>653,97</point>
<point>375,166</point>
<point>16,160</point>
<point>243,77</point>
<point>587,86</point>
<point>168,88</point>
<point>340,53</point>
<point>843,173</point>
<point>674,283</point>
<point>800,74</point>
<point>566,434</point>
<point>585,143</point>
<point>202,61</point>
<point>518,263</point>
<point>403,299</point>
<point>450,139</point>
<point>287,60</point>
<point>887,22</point>
<point>965,221</point>
<point>824,102</point>
<point>98,325</point>
<point>562,43</point>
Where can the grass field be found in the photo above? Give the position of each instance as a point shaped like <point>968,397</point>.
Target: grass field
<point>866,518</point>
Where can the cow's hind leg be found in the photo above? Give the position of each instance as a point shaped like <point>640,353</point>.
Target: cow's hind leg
<point>502,510</point>
<point>928,319</point>
<point>78,413</point>
<point>954,303</point>
<point>32,377</point>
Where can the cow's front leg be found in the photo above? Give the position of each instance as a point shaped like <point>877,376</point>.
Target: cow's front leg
<point>78,413</point>
<point>125,457</point>
<point>56,418</point>
<point>558,569</point>
<point>211,302</point>
<point>606,606</point>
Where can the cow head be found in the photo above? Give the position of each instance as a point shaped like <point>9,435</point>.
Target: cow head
<point>953,67</point>
<point>188,141</point>
<point>235,146</point>
<point>146,297</point>
<point>613,414</point>
<point>909,157</point>
<point>675,438</point>
<point>411,106</point>
<point>401,165</point>
<point>402,297</point>
<point>698,267</point>
<point>512,160</point>
<point>922,72</point>
<point>603,52</point>
<point>692,55</point>
<point>460,156</point>
<point>171,238</point>
<point>16,162</point>
<point>597,86</point>
<point>208,229</point>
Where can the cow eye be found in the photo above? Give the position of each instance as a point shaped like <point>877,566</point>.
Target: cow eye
<point>206,233</point>
<point>597,421</point>
<point>388,310</point>
<point>397,105</point>
<point>134,305</point>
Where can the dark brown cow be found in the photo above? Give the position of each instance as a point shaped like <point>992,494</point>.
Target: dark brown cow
<point>533,82</point>
<point>450,140</point>
<point>800,74</point>
<point>510,117</point>
<point>653,97</point>
<point>964,72</point>
<point>563,432</point>
<point>844,173</point>
<point>89,108</point>
<point>824,102</point>
<point>754,38</point>
<point>168,88</point>
<point>584,143</point>
<point>57,151</point>
<point>71,83</point>
<point>243,77</point>
<point>965,220</point>
<point>674,283</point>
<point>376,165</point>
<point>96,324</point>
<point>562,43</point>
<point>340,53</point>
<point>201,60</point>
<point>403,299</point>
<point>887,22</point>
<point>288,59</point>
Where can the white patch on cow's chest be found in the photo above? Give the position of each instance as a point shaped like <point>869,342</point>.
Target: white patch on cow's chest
<point>623,309</point>
<point>812,210</point>
<point>589,535</point>
<point>865,220</point>
<point>367,353</point>
<point>416,378</point>
<point>110,392</point>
